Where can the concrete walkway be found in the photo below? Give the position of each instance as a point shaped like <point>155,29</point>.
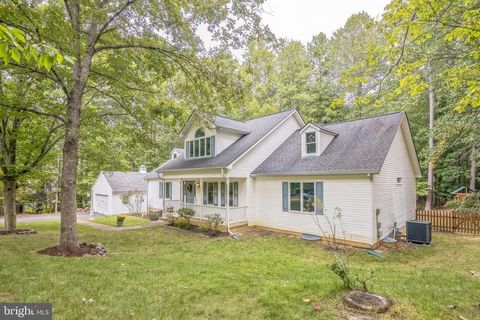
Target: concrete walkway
<point>104,227</point>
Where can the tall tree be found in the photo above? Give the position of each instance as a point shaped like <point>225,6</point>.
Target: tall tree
<point>27,107</point>
<point>96,33</point>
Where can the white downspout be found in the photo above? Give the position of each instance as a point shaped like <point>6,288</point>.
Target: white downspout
<point>227,200</point>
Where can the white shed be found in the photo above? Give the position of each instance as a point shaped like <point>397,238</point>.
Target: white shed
<point>117,192</point>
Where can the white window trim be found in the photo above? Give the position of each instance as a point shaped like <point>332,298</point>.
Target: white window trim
<point>165,190</point>
<point>193,147</point>
<point>314,142</point>
<point>304,142</point>
<point>219,195</point>
<point>301,198</point>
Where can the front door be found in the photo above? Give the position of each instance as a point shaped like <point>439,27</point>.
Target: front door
<point>189,192</point>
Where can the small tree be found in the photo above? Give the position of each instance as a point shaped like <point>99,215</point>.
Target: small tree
<point>134,202</point>
<point>340,266</point>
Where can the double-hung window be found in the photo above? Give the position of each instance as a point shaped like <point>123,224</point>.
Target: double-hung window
<point>168,190</point>
<point>210,193</point>
<point>304,197</point>
<point>233,194</point>
<point>310,142</point>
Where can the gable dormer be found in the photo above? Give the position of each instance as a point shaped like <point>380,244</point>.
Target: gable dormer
<point>315,140</point>
<point>207,136</point>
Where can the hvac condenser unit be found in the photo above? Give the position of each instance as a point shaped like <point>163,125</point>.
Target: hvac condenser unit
<point>419,231</point>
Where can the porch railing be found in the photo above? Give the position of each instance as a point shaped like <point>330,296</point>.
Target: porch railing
<point>237,214</point>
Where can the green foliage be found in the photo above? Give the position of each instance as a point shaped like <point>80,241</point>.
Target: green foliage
<point>184,220</point>
<point>350,279</point>
<point>14,45</point>
<point>120,218</point>
<point>214,221</point>
<point>183,223</point>
<point>154,215</point>
<point>469,203</point>
<point>186,212</point>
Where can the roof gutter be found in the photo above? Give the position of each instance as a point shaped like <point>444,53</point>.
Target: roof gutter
<point>277,174</point>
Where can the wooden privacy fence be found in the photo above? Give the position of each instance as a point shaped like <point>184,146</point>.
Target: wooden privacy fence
<point>451,221</point>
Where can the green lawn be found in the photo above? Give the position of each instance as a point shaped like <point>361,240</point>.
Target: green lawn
<point>162,273</point>
<point>130,221</point>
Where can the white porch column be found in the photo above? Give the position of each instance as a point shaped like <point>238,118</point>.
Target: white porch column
<point>201,198</point>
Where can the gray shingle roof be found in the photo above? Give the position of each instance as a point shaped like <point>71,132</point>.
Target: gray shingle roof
<point>360,147</point>
<point>257,129</point>
<point>232,124</point>
<point>126,181</point>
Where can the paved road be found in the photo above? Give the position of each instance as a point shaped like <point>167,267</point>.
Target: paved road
<point>43,217</point>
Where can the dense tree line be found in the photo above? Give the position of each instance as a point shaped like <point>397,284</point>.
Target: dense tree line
<point>118,80</point>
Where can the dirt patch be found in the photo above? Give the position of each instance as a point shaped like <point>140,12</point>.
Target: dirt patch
<point>83,250</point>
<point>366,301</point>
<point>18,231</point>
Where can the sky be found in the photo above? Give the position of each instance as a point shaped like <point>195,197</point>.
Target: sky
<point>302,19</point>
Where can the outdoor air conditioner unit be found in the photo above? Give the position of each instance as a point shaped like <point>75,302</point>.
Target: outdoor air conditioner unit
<point>419,231</point>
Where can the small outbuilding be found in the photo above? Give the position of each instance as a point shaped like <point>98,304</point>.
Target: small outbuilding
<point>116,192</point>
<point>460,193</point>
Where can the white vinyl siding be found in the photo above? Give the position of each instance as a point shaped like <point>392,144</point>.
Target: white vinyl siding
<point>352,194</point>
<point>396,201</point>
<point>102,195</point>
<point>252,159</point>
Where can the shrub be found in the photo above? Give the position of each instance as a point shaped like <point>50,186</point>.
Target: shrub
<point>351,280</point>
<point>182,223</point>
<point>214,221</point>
<point>204,228</point>
<point>120,218</point>
<point>154,215</point>
<point>186,212</point>
<point>170,217</point>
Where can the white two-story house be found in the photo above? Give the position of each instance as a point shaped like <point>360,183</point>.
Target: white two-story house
<point>278,172</point>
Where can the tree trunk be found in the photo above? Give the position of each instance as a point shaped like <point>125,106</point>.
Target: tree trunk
<point>68,231</point>
<point>431,102</point>
<point>473,169</point>
<point>9,204</point>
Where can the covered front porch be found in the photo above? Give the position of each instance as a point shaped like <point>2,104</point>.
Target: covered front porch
<point>207,196</point>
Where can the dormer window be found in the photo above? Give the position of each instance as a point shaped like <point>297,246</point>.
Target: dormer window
<point>199,133</point>
<point>201,146</point>
<point>310,143</point>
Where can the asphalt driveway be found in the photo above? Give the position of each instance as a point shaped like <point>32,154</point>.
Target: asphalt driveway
<point>43,217</point>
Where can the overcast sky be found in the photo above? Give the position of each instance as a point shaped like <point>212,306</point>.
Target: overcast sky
<point>302,19</point>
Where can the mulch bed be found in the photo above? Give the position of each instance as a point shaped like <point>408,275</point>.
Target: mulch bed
<point>399,245</point>
<point>208,234</point>
<point>18,231</point>
<point>83,250</point>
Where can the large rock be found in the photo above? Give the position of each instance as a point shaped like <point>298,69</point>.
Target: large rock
<point>366,301</point>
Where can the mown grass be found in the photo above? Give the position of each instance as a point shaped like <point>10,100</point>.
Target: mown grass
<point>163,273</point>
<point>130,221</point>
